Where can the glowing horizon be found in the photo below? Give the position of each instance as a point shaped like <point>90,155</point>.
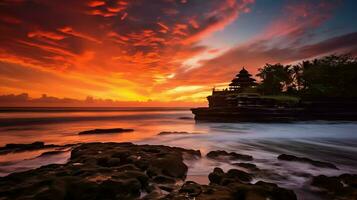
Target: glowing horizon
<point>163,51</point>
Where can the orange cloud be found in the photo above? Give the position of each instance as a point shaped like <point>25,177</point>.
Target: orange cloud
<point>279,42</point>
<point>68,30</point>
<point>45,34</point>
<point>96,3</point>
<point>137,50</point>
<point>222,16</point>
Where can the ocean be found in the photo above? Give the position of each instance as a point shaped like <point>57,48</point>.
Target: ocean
<point>334,142</point>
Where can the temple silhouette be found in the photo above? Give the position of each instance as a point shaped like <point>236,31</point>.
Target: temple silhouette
<point>242,87</point>
<point>242,81</point>
<point>241,101</point>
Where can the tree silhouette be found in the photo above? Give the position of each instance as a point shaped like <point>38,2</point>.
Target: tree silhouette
<point>330,76</point>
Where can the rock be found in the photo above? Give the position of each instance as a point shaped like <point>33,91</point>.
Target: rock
<point>170,165</point>
<point>156,194</point>
<point>233,175</point>
<point>13,148</point>
<point>124,189</point>
<point>236,156</point>
<point>113,162</point>
<point>232,190</point>
<point>239,175</point>
<point>332,184</point>
<point>231,156</point>
<point>127,167</point>
<point>35,145</point>
<point>168,188</point>
<point>130,174</point>
<point>189,153</point>
<point>349,179</point>
<point>341,187</point>
<point>104,131</point>
<point>186,118</point>
<point>164,180</point>
<point>191,188</point>
<point>261,191</point>
<point>306,160</point>
<point>216,176</point>
<point>101,171</point>
<point>174,133</point>
<point>126,171</point>
<point>249,166</point>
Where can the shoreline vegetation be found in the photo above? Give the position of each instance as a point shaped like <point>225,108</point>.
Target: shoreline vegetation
<point>130,171</point>
<point>319,89</point>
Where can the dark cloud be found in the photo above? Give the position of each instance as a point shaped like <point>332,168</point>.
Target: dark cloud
<point>256,54</point>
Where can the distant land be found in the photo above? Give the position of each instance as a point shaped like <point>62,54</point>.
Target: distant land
<point>24,100</point>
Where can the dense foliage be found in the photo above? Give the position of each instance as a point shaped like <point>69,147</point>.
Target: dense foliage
<point>330,76</point>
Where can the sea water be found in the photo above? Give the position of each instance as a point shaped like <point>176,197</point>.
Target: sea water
<point>334,142</point>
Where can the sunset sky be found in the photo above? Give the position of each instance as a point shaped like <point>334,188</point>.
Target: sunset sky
<point>159,50</point>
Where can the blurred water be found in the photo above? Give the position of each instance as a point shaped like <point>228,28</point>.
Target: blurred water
<point>334,142</point>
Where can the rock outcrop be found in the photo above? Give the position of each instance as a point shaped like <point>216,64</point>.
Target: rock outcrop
<point>343,187</point>
<point>105,131</point>
<point>231,156</point>
<point>175,133</point>
<point>306,160</point>
<point>129,171</point>
<point>15,148</point>
<point>231,186</point>
<point>101,171</point>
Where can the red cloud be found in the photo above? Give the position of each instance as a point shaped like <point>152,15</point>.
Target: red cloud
<point>96,3</point>
<point>45,34</point>
<point>140,42</point>
<point>137,49</point>
<point>68,30</point>
<point>278,43</point>
<point>224,14</point>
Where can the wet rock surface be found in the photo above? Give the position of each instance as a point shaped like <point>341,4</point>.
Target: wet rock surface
<point>229,186</point>
<point>174,133</point>
<point>231,156</point>
<point>15,148</point>
<point>129,171</point>
<point>102,171</point>
<point>315,163</point>
<point>249,166</point>
<point>233,175</point>
<point>186,118</point>
<point>343,187</point>
<point>105,131</point>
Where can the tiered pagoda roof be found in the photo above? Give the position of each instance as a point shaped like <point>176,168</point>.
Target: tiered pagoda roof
<point>242,80</point>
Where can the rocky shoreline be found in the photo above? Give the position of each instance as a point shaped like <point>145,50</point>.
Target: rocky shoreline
<point>129,171</point>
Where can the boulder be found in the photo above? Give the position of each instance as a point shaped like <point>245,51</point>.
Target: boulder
<point>315,163</point>
<point>233,175</point>
<point>231,156</point>
<point>191,188</point>
<point>219,188</point>
<point>13,148</point>
<point>249,166</point>
<point>170,165</point>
